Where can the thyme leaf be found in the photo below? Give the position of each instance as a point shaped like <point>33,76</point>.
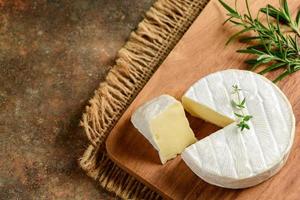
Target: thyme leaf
<point>240,105</point>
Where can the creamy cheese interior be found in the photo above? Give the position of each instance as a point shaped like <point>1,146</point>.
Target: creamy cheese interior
<point>171,132</point>
<point>206,113</point>
<point>163,122</point>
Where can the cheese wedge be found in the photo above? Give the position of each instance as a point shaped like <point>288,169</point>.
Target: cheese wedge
<point>164,124</point>
<point>232,158</point>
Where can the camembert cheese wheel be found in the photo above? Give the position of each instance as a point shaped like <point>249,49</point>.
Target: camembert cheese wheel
<point>232,158</point>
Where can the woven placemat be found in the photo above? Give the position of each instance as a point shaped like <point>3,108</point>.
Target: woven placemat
<point>163,26</point>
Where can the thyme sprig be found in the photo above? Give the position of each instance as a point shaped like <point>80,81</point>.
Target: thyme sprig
<point>274,44</point>
<point>240,105</point>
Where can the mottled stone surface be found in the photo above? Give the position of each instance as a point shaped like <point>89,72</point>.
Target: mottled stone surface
<point>53,54</point>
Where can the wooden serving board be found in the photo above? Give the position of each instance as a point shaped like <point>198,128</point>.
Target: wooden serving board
<point>200,52</point>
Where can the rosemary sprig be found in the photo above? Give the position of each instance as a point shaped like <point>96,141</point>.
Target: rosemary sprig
<point>275,42</point>
<point>240,105</point>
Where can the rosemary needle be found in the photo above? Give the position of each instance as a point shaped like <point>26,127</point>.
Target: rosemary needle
<point>275,41</point>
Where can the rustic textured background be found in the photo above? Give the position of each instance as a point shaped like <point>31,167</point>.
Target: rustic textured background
<point>53,54</point>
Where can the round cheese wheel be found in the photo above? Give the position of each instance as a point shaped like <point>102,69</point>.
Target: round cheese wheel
<point>232,158</point>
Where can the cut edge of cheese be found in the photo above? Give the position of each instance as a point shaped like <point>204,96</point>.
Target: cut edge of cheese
<point>205,113</point>
<point>172,143</point>
<point>164,124</point>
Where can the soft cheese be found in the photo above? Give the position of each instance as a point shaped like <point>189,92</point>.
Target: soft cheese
<point>230,158</point>
<point>163,122</point>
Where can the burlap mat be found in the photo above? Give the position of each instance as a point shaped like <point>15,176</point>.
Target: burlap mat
<point>147,47</point>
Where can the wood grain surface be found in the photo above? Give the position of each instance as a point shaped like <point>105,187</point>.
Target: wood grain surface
<point>200,52</point>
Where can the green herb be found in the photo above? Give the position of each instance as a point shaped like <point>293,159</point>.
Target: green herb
<point>274,44</point>
<point>240,105</point>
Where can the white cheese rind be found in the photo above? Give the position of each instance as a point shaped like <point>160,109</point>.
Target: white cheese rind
<point>144,114</point>
<point>233,159</point>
